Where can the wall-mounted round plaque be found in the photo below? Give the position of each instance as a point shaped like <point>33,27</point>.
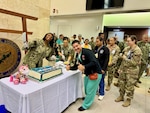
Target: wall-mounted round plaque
<point>10,56</point>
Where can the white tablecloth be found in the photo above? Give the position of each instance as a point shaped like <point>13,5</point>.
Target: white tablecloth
<point>51,96</point>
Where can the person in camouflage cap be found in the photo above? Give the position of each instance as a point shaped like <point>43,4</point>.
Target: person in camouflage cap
<point>37,50</point>
<point>129,70</point>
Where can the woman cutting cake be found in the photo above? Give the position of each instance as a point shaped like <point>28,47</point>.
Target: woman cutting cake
<point>38,50</point>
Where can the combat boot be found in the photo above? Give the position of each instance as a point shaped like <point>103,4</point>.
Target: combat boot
<point>108,88</point>
<point>127,103</point>
<point>120,98</point>
<point>149,90</point>
<point>116,84</point>
<point>136,85</point>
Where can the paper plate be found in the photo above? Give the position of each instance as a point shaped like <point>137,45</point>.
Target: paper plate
<point>10,56</point>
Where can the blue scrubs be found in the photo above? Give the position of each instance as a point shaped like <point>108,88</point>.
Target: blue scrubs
<point>102,86</point>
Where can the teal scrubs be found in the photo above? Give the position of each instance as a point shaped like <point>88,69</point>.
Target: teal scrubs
<point>59,41</point>
<point>91,87</point>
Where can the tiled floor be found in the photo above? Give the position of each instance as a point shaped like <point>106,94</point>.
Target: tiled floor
<point>140,103</point>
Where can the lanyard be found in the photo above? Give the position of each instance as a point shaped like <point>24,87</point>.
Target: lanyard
<point>79,57</point>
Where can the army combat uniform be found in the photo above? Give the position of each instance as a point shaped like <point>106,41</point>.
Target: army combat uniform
<point>148,67</point>
<point>128,73</point>
<point>36,52</point>
<point>92,45</point>
<point>121,45</point>
<point>114,54</point>
<point>145,55</point>
<point>66,51</point>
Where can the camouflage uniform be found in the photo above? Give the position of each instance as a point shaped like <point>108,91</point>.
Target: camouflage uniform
<point>149,53</point>
<point>114,54</point>
<point>121,45</point>
<point>92,45</point>
<point>128,71</point>
<point>36,52</point>
<point>66,51</point>
<point>148,67</point>
<point>145,55</point>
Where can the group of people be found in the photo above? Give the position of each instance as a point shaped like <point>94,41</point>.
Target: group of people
<point>102,57</point>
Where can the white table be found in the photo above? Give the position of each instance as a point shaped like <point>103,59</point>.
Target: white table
<point>51,96</point>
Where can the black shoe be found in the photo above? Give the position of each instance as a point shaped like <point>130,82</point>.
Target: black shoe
<point>8,112</point>
<point>83,98</point>
<point>139,82</point>
<point>136,85</point>
<point>81,109</point>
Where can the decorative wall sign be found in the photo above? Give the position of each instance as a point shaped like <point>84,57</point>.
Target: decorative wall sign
<point>10,56</point>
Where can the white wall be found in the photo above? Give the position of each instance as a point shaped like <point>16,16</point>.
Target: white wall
<point>88,26</point>
<point>69,7</point>
<point>72,17</point>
